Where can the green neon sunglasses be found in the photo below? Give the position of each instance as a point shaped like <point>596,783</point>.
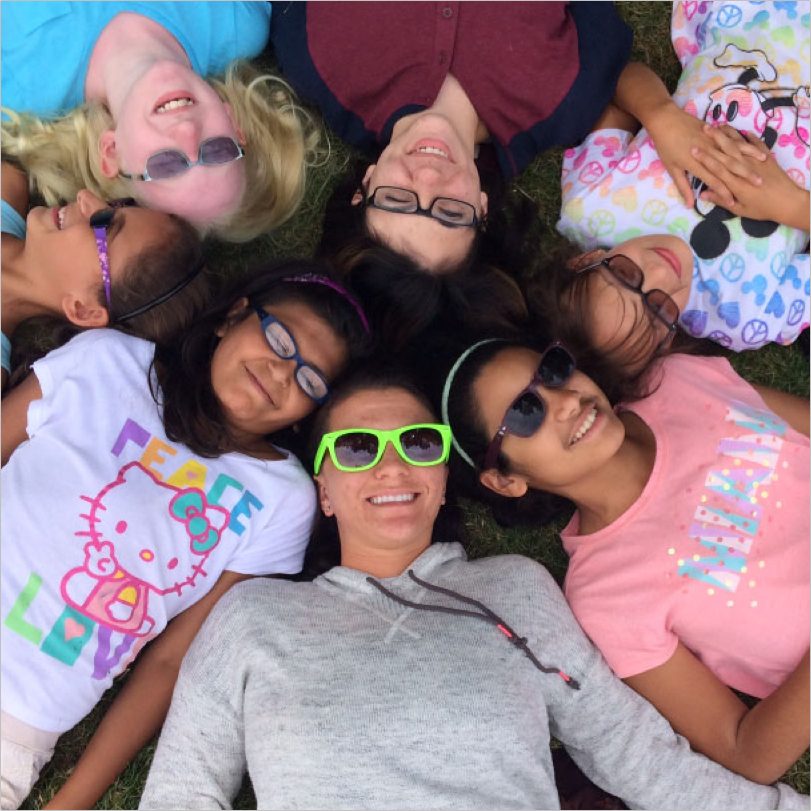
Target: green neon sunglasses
<point>356,449</point>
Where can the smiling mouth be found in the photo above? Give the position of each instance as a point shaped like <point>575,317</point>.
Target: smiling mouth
<point>255,380</point>
<point>432,147</point>
<point>59,217</point>
<point>585,426</point>
<point>671,259</point>
<point>394,498</point>
<point>174,104</point>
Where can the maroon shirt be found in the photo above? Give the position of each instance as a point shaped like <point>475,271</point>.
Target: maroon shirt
<point>538,74</point>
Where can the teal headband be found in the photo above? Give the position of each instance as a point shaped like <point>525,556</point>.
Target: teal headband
<point>446,392</point>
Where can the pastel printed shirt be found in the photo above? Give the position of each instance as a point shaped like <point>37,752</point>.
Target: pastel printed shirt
<point>745,64</point>
<point>715,551</point>
<point>110,530</point>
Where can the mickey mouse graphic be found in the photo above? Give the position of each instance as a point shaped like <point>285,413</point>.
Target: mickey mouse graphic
<point>768,114</point>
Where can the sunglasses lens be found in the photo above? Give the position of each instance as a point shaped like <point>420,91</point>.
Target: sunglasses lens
<point>356,450</point>
<point>525,415</point>
<point>663,307</point>
<point>422,444</point>
<point>103,218</point>
<point>557,366</point>
<point>628,272</point>
<point>166,164</point>
<point>219,150</point>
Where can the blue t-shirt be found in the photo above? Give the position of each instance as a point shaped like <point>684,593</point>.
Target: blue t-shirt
<point>46,47</point>
<point>10,223</point>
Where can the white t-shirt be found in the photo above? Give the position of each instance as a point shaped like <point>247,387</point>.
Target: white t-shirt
<point>109,530</point>
<point>745,64</point>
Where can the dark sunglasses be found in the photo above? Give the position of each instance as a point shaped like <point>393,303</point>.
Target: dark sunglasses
<point>527,411</point>
<point>355,449</point>
<point>173,162</point>
<point>630,275</point>
<point>100,222</point>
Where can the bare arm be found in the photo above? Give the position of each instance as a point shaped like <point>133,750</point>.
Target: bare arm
<point>14,416</point>
<point>675,133</point>
<point>138,711</point>
<point>789,407</point>
<point>760,743</point>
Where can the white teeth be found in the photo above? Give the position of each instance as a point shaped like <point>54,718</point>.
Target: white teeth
<point>174,104</point>
<point>432,150</point>
<point>393,499</point>
<point>60,215</point>
<point>584,428</point>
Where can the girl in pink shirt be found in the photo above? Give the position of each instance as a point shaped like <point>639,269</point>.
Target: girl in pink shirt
<point>689,542</point>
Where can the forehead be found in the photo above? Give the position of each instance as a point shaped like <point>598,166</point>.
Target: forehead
<point>429,243</point>
<point>379,408</point>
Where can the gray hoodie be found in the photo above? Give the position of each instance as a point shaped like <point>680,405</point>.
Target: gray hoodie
<point>342,693</point>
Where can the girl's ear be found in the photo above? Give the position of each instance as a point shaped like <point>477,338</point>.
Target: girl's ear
<point>584,259</point>
<point>323,498</point>
<point>509,485</point>
<point>83,314</point>
<point>238,306</point>
<point>108,155</point>
<point>360,193</point>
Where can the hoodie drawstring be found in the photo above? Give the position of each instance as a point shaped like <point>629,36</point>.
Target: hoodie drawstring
<point>484,613</point>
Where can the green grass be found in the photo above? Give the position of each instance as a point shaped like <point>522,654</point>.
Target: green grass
<point>785,368</point>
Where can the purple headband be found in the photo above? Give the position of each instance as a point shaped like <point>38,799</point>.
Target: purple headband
<point>314,278</point>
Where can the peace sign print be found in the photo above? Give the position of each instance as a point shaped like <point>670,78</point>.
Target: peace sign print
<point>601,223</point>
<point>755,332</point>
<point>591,172</point>
<point>795,312</point>
<point>630,163</point>
<point>732,267</point>
<point>729,16</point>
<point>654,212</point>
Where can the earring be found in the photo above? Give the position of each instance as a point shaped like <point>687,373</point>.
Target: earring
<point>327,509</point>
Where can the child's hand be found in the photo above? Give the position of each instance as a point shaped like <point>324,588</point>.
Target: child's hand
<point>677,135</point>
<point>774,197</point>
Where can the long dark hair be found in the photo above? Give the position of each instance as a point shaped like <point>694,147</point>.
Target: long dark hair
<point>192,414</point>
<point>377,374</point>
<point>162,266</point>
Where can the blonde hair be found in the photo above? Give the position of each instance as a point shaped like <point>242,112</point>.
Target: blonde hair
<point>62,156</point>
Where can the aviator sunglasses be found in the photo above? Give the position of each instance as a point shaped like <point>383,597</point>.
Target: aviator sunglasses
<point>355,449</point>
<point>527,411</point>
<point>173,162</point>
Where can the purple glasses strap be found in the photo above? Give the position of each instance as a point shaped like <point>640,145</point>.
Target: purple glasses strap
<point>104,261</point>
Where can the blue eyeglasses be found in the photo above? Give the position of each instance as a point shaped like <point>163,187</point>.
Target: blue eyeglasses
<point>281,341</point>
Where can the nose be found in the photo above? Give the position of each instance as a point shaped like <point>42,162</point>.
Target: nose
<point>390,464</point>
<point>563,404</point>
<point>186,135</point>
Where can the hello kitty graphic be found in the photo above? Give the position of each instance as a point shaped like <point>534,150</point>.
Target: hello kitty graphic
<point>124,562</point>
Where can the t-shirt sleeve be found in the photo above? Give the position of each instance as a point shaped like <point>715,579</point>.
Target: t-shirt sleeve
<point>631,630</point>
<point>278,546</point>
<point>586,168</point>
<point>74,357</point>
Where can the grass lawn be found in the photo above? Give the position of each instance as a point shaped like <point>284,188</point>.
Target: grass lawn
<point>781,367</point>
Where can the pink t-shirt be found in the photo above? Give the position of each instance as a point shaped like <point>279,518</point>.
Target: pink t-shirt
<point>715,552</point>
